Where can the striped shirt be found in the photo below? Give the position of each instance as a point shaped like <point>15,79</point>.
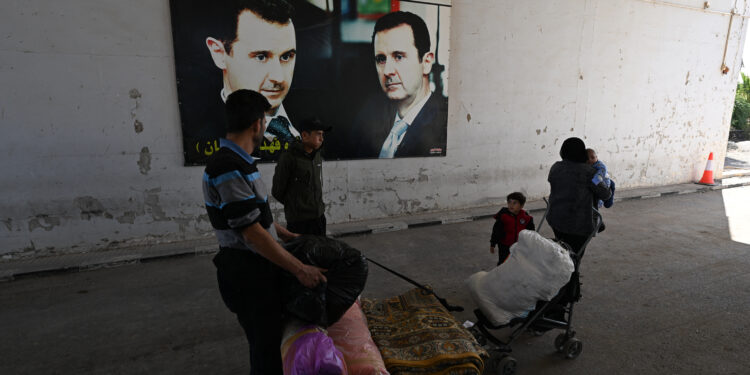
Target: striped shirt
<point>235,196</point>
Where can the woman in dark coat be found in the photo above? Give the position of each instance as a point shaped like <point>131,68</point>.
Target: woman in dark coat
<point>574,187</point>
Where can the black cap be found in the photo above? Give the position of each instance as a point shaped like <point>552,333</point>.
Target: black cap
<point>313,124</point>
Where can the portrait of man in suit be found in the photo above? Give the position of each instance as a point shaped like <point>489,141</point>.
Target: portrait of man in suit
<point>316,59</point>
<point>257,51</point>
<point>413,120</point>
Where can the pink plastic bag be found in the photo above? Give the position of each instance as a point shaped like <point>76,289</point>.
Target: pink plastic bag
<point>352,337</point>
<point>310,351</point>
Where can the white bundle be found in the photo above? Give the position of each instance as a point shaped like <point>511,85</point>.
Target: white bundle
<point>535,270</point>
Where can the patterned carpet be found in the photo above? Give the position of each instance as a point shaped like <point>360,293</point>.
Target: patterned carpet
<point>417,335</point>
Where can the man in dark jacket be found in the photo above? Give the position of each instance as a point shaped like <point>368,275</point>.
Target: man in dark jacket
<point>298,181</point>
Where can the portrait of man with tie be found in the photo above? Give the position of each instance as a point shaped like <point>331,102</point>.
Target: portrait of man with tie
<point>414,120</point>
<point>260,55</point>
<point>315,59</point>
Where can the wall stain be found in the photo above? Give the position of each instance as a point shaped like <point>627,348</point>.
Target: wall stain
<point>183,223</point>
<point>152,204</point>
<point>90,207</point>
<point>138,125</point>
<point>128,217</point>
<point>8,223</point>
<point>144,162</point>
<point>43,221</point>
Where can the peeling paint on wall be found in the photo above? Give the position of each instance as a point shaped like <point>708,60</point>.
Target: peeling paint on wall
<point>144,161</point>
<point>137,124</point>
<point>8,223</point>
<point>423,177</point>
<point>128,217</point>
<point>91,207</point>
<point>135,94</point>
<point>43,221</point>
<point>152,204</point>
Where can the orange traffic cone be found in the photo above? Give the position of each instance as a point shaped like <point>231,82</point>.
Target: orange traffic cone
<point>708,174</point>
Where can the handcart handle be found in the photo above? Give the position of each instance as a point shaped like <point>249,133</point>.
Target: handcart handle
<point>420,286</point>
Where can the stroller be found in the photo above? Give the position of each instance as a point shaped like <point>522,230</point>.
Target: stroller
<point>556,313</point>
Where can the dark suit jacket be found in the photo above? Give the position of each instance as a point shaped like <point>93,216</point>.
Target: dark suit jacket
<point>426,136</point>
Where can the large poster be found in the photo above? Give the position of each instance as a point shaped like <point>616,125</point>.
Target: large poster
<point>374,70</point>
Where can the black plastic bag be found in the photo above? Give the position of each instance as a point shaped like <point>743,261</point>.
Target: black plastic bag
<point>346,274</point>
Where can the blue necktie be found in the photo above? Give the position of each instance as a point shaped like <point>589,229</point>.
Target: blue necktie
<point>279,127</point>
<point>391,143</point>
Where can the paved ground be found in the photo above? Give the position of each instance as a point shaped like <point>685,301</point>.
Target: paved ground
<point>666,291</point>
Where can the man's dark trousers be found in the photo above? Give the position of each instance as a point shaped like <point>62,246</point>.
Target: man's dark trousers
<point>249,286</point>
<point>313,226</point>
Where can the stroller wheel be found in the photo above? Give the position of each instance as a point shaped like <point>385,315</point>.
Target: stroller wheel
<point>573,348</point>
<point>505,365</point>
<point>560,342</point>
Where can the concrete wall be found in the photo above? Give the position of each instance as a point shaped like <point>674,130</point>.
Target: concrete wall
<point>91,150</point>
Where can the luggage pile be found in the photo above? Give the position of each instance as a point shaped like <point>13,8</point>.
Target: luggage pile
<point>328,332</point>
<point>333,333</point>
<point>535,271</point>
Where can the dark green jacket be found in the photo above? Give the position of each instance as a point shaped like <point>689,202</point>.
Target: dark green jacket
<point>298,183</point>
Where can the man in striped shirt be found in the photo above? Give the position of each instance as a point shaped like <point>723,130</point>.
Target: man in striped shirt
<point>250,259</point>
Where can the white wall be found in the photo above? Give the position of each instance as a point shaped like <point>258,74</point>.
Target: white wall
<point>91,142</point>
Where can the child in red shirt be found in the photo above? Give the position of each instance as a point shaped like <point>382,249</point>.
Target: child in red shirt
<point>509,221</point>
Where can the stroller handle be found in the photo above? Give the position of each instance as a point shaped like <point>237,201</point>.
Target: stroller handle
<point>597,219</point>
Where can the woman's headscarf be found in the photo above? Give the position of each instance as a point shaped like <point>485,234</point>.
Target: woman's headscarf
<point>573,149</point>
